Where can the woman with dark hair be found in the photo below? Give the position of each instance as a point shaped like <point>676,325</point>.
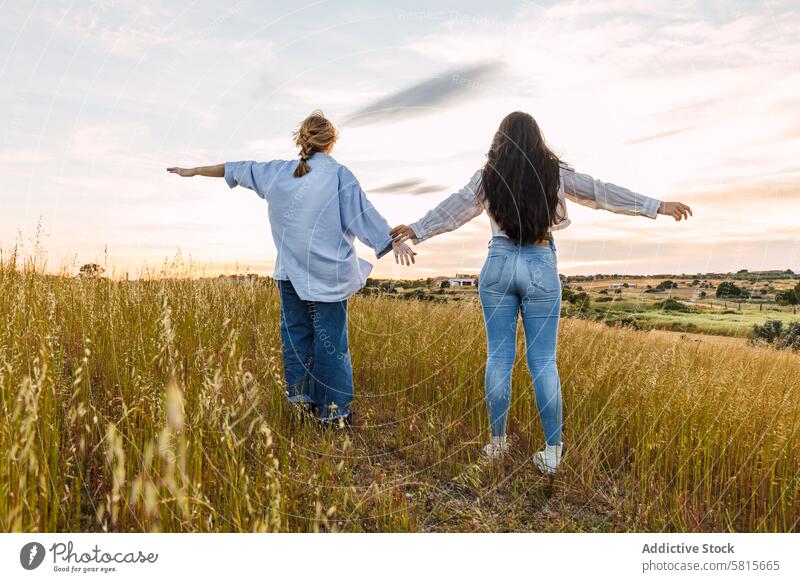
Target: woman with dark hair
<point>522,187</point>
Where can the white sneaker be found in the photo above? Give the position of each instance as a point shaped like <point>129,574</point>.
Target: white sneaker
<point>547,460</point>
<point>496,448</point>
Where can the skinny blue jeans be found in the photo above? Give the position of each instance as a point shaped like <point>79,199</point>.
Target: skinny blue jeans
<point>522,280</point>
<point>316,355</point>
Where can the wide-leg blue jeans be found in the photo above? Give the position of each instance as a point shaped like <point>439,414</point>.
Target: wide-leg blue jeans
<point>522,280</point>
<point>316,356</point>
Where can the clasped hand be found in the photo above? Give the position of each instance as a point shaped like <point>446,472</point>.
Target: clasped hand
<point>403,254</point>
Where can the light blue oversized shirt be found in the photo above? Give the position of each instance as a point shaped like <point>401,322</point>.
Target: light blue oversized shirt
<point>314,221</point>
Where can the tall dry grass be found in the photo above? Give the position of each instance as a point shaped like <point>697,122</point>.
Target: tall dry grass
<point>157,405</point>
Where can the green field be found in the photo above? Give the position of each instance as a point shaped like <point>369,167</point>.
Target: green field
<point>738,324</point>
<point>634,306</point>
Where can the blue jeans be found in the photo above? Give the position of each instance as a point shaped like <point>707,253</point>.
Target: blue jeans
<point>316,357</point>
<point>522,279</point>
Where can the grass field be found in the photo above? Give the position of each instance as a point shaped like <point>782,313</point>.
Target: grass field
<point>731,323</point>
<point>157,405</point>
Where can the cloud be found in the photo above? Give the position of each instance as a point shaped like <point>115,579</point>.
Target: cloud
<point>431,93</point>
<point>102,140</point>
<point>755,191</point>
<point>414,186</point>
<point>24,156</point>
<point>659,135</point>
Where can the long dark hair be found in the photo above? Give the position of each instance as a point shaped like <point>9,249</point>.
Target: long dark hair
<point>520,180</point>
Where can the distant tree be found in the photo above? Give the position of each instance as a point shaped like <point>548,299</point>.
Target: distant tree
<point>445,285</point>
<point>703,294</point>
<point>667,284</point>
<point>728,289</point>
<point>789,297</point>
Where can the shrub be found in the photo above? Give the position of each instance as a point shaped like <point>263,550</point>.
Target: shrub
<point>629,322</point>
<point>580,300</point>
<point>771,330</point>
<point>680,326</point>
<point>671,304</point>
<point>791,340</point>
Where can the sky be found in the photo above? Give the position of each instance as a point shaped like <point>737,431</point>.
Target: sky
<point>689,101</point>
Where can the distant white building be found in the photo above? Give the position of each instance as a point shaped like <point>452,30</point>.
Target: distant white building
<point>468,281</point>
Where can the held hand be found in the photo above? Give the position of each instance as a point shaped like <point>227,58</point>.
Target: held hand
<point>677,210</point>
<point>184,172</point>
<point>402,233</point>
<point>403,255</point>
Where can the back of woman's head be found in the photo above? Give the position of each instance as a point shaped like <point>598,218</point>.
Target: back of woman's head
<point>521,179</point>
<point>315,134</point>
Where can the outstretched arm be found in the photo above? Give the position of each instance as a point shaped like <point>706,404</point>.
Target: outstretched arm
<point>215,171</point>
<point>453,212</point>
<point>255,176</point>
<point>585,190</point>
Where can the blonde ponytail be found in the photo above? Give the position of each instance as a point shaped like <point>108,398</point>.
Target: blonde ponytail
<point>315,134</point>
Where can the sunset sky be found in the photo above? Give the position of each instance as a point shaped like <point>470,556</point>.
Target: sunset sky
<point>689,101</point>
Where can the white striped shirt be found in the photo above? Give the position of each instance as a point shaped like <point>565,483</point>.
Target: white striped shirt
<point>461,207</point>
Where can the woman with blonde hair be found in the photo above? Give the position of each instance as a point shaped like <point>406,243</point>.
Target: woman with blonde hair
<point>316,210</point>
